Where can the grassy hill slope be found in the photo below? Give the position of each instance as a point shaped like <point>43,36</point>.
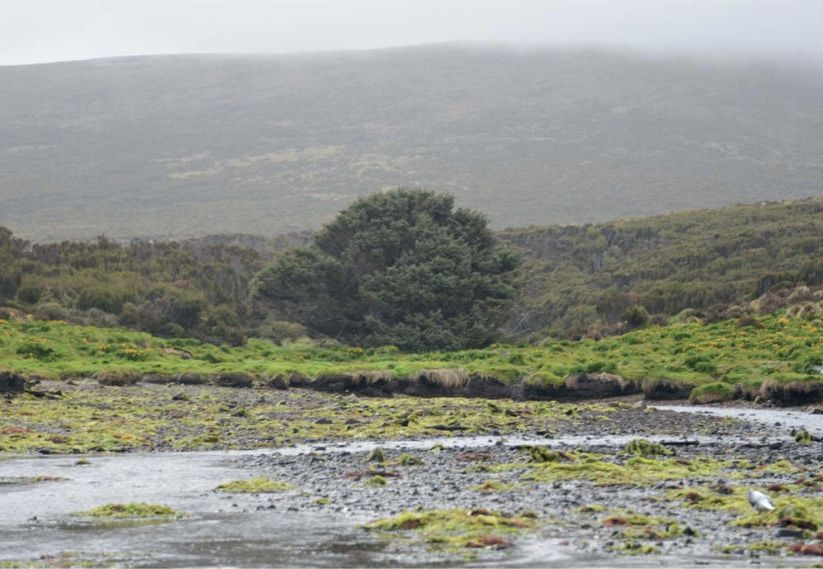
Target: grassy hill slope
<point>180,146</point>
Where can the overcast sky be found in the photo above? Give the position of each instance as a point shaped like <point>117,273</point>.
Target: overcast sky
<point>33,31</point>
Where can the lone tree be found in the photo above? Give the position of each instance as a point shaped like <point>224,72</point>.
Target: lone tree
<point>403,268</point>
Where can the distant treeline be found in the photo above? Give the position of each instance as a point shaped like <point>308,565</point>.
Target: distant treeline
<point>576,280</point>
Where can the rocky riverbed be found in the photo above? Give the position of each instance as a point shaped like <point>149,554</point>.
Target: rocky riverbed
<point>541,485</point>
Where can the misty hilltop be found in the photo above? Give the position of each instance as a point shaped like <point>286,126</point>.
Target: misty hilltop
<point>180,146</point>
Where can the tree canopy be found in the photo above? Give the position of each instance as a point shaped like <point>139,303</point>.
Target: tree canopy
<point>403,268</point>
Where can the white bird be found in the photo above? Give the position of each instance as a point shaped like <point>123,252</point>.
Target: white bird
<point>760,501</point>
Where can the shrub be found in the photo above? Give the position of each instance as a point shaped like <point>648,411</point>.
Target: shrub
<point>102,298</point>
<point>403,268</point>
<point>50,311</point>
<point>29,294</point>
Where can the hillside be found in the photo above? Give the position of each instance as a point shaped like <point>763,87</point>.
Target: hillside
<point>577,278</point>
<point>183,146</point>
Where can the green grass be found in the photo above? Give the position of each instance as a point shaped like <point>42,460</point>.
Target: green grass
<point>692,353</point>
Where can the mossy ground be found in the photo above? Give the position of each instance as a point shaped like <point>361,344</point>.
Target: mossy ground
<point>254,486</point>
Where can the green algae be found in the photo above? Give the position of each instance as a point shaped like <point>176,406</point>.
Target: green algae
<point>542,454</point>
<point>803,437</point>
<point>632,547</point>
<point>254,486</point>
<point>457,529</point>
<point>376,455</point>
<point>758,547</point>
<point>643,447</point>
<point>635,530</point>
<point>717,498</point>
<point>406,459</point>
<point>61,561</point>
<point>21,480</point>
<point>91,418</point>
<point>494,486</point>
<point>606,470</point>
<point>799,511</point>
<point>376,480</point>
<point>132,511</point>
<point>591,508</point>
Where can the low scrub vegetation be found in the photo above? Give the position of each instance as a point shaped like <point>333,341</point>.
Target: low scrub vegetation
<point>592,280</point>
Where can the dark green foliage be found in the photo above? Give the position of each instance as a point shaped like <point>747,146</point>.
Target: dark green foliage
<point>402,268</point>
<point>171,289</point>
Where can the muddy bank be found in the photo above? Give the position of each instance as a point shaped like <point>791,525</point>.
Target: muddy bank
<point>458,383</point>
